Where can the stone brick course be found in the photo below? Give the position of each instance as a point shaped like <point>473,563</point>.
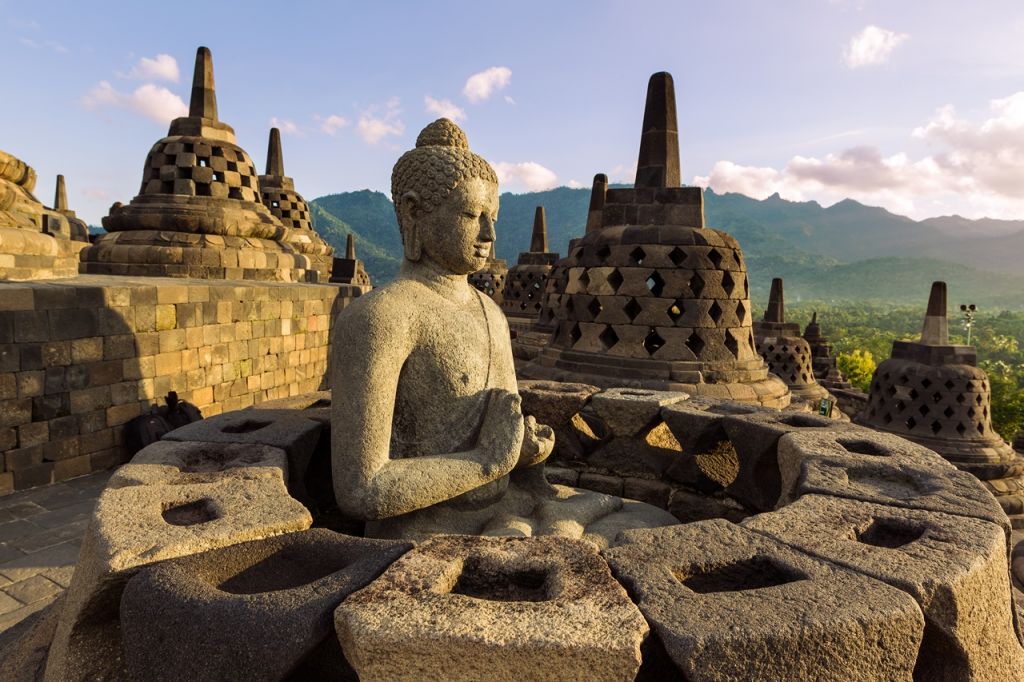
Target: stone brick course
<point>82,357</point>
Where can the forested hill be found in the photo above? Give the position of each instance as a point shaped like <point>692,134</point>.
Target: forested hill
<point>847,251</point>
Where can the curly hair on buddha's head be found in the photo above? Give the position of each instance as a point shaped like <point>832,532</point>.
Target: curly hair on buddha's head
<point>440,161</point>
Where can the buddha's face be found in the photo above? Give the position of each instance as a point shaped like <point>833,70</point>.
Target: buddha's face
<point>458,234</point>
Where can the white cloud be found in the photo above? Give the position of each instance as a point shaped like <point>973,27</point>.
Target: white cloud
<point>444,108</point>
<point>528,175</point>
<point>872,46</point>
<point>509,100</point>
<point>574,184</point>
<point>152,101</point>
<point>374,125</point>
<point>975,169</point>
<point>481,85</point>
<point>285,126</point>
<point>49,44</point>
<point>332,124</point>
<point>160,67</point>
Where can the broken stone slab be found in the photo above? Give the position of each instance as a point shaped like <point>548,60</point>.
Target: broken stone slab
<point>707,461</point>
<point>290,430</point>
<point>251,611</point>
<point>302,401</point>
<point>853,445</point>
<point>185,462</point>
<point>954,567</point>
<point>471,608</point>
<point>731,604</point>
<point>138,525</point>
<point>901,484</point>
<point>755,438</point>
<point>554,403</point>
<point>628,411</point>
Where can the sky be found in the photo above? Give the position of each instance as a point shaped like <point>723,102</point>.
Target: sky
<point>916,106</point>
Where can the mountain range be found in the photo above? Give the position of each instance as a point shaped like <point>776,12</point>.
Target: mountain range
<point>845,252</point>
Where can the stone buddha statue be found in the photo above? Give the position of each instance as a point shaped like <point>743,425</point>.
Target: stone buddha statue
<point>428,433</point>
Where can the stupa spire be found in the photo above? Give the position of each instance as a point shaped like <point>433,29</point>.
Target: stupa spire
<point>350,246</point>
<point>539,239</point>
<point>597,197</point>
<point>935,331</point>
<point>275,158</point>
<point>658,165</point>
<point>204,99</point>
<point>60,199</point>
<point>776,311</point>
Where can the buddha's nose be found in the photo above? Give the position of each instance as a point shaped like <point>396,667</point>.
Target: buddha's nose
<point>486,229</point>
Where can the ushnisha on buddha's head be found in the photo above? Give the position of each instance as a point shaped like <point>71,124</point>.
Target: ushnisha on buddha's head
<point>446,200</point>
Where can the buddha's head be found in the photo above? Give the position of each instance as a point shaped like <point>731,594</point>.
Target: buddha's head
<point>446,200</point>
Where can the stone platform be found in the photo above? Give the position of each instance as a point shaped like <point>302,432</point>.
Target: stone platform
<point>921,580</point>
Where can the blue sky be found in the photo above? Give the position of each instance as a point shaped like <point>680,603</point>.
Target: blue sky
<point>915,106</point>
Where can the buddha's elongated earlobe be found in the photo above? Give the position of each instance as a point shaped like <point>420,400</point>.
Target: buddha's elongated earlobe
<point>410,228</point>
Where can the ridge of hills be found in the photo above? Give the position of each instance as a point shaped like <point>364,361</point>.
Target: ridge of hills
<point>846,252</point>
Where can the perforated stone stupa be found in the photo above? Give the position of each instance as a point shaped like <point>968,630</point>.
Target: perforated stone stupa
<point>826,371</point>
<point>199,211</point>
<point>350,270</point>
<point>35,242</point>
<point>490,279</point>
<point>277,192</point>
<point>526,282</point>
<point>653,298</point>
<point>787,353</point>
<point>931,392</point>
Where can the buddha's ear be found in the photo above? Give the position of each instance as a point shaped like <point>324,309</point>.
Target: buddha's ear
<point>409,212</point>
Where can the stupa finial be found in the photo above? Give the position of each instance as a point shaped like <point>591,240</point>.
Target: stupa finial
<point>658,165</point>
<point>776,311</point>
<point>60,199</point>
<point>935,331</point>
<point>350,247</point>
<point>204,98</point>
<point>539,239</point>
<point>597,196</point>
<point>275,159</point>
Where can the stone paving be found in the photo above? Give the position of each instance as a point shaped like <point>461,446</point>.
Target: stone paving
<point>40,535</point>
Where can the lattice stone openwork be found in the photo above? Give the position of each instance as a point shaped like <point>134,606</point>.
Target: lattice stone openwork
<point>196,166</point>
<point>289,207</point>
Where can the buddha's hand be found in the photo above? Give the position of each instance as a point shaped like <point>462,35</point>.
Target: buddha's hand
<point>538,442</point>
<point>501,434</point>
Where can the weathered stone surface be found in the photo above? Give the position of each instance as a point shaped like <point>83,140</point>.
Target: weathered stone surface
<point>728,603</point>
<point>138,525</point>
<point>708,461</point>
<point>289,430</point>
<point>554,403</point>
<point>627,411</point>
<point>23,647</point>
<point>954,567</point>
<point>755,438</point>
<point>852,446</point>
<point>252,611</point>
<point>463,608</point>
<point>184,462</point>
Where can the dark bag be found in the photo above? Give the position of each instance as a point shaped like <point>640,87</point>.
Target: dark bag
<point>149,428</point>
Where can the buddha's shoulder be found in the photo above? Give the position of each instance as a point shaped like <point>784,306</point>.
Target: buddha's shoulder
<point>392,305</point>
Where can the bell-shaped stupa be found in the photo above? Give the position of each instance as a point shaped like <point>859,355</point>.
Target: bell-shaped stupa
<point>277,191</point>
<point>199,211</point>
<point>526,282</point>
<point>36,242</point>
<point>931,392</point>
<point>787,353</point>
<point>652,297</point>
<point>826,370</point>
<point>350,270</point>
<point>490,279</point>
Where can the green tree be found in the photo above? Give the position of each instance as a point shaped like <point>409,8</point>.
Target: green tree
<point>1007,397</point>
<point>858,366</point>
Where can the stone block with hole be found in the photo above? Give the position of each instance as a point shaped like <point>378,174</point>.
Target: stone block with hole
<point>470,608</point>
<point>177,463</point>
<point>755,438</point>
<point>707,459</point>
<point>954,567</point>
<point>900,484</point>
<point>287,429</point>
<point>141,524</point>
<point>629,411</point>
<point>252,611</point>
<point>552,402</point>
<point>852,446</point>
<point>730,604</point>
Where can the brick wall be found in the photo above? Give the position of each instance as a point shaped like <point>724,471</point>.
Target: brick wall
<point>79,358</point>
